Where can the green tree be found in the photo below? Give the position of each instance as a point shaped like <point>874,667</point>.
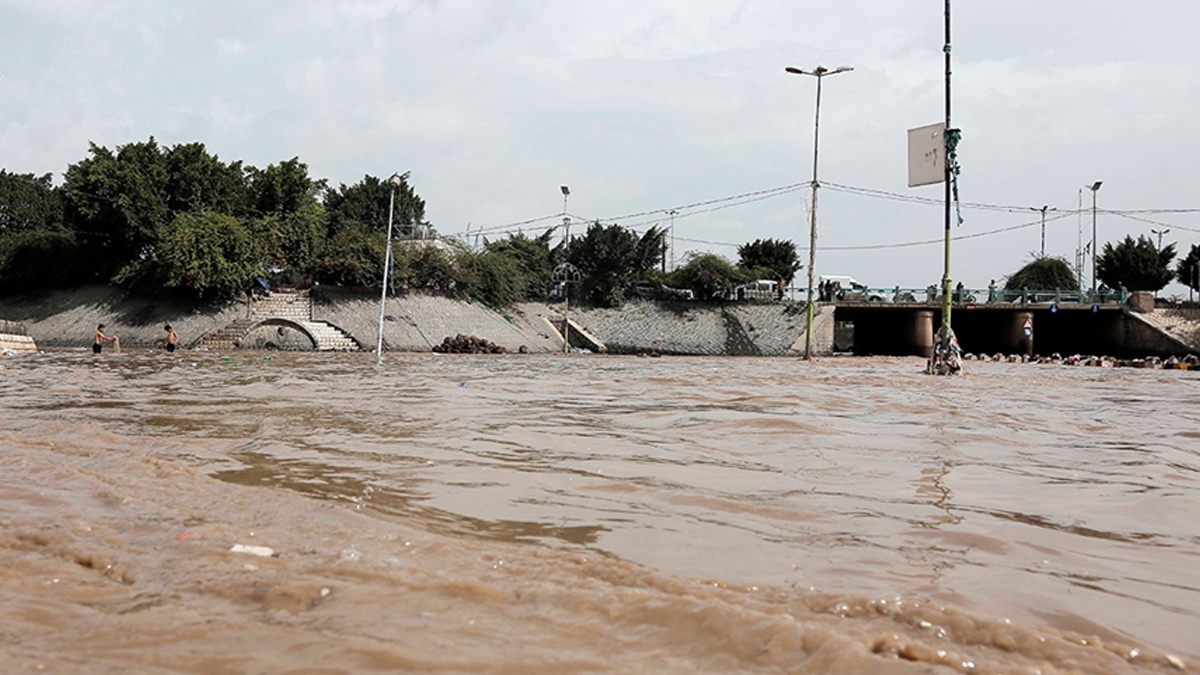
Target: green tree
<point>606,257</point>
<point>367,202</point>
<point>532,256</point>
<point>709,275</point>
<point>428,265</point>
<point>351,256</point>
<point>36,249</point>
<point>292,242</point>
<point>1187,272</point>
<point>198,181</point>
<point>492,277</point>
<point>777,256</point>
<point>1138,266</point>
<point>38,259</point>
<point>285,187</point>
<point>649,253</point>
<point>117,202</point>
<point>29,203</point>
<point>209,254</point>
<point>1044,273</point>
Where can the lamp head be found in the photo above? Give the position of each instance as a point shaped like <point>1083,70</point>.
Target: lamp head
<point>565,190</point>
<point>396,180</point>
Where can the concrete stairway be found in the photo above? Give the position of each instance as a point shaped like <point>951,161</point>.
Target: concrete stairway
<point>289,306</point>
<point>294,305</point>
<point>226,337</point>
<point>329,337</point>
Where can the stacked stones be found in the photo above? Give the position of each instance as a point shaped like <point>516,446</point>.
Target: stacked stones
<point>468,344</point>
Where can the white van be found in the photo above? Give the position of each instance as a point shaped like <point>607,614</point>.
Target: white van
<point>849,288</point>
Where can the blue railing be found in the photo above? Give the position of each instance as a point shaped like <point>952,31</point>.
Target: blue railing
<point>968,296</point>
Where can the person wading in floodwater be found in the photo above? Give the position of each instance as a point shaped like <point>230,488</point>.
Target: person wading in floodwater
<point>100,338</point>
<point>172,337</point>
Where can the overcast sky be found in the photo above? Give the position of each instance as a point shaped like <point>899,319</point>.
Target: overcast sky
<point>648,105</point>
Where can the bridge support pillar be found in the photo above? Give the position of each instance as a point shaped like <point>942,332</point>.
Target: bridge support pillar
<point>1018,341</point>
<point>921,337</point>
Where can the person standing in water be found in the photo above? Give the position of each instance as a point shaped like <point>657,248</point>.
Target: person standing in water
<point>172,338</point>
<point>100,338</point>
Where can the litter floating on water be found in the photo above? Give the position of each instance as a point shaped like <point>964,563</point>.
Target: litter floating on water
<point>260,551</point>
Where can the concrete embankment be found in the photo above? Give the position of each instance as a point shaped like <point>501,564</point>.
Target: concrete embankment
<point>14,341</point>
<point>418,321</point>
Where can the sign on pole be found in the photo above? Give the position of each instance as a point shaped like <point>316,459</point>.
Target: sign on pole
<point>926,155</point>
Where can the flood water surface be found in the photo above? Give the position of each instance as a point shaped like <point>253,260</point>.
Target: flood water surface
<point>549,514</point>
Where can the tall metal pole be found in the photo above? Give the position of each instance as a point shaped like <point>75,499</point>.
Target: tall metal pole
<point>819,72</point>
<point>812,229</point>
<point>1094,188</point>
<point>387,267</point>
<point>672,213</point>
<point>946,273</point>
<point>1044,230</point>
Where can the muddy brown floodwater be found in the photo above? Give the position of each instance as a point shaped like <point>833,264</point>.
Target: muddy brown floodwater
<point>553,514</point>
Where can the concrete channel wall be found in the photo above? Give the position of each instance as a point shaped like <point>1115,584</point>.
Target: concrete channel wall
<point>416,322</point>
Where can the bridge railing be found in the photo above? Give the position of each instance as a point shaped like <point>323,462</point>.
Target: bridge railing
<point>982,296</point>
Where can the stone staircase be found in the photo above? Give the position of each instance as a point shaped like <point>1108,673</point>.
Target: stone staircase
<point>329,337</point>
<point>291,306</point>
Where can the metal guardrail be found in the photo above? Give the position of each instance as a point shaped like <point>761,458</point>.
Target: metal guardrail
<point>971,296</point>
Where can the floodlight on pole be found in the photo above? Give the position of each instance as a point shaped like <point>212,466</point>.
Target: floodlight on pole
<point>1160,234</point>
<point>1095,187</point>
<point>1044,209</point>
<point>396,180</point>
<point>820,72</point>
<point>566,192</point>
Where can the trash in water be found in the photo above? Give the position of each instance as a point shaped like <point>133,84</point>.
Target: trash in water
<point>260,551</point>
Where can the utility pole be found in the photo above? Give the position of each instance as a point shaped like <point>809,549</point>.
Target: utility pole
<point>1044,209</point>
<point>1094,188</point>
<point>1160,234</point>
<point>672,213</point>
<point>948,177</point>
<point>566,192</point>
<point>820,72</point>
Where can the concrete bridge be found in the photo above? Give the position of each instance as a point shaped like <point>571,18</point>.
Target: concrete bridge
<point>290,313</point>
<point>908,328</point>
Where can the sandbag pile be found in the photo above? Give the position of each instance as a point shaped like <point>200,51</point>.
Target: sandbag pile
<point>468,344</point>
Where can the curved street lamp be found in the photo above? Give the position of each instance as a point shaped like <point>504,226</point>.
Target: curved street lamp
<point>396,180</point>
<point>820,72</point>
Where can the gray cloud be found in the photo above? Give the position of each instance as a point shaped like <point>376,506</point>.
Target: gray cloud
<point>642,106</point>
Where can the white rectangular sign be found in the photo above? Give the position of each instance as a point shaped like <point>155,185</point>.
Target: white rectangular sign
<point>926,155</point>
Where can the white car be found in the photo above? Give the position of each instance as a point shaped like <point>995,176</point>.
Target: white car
<point>848,288</point>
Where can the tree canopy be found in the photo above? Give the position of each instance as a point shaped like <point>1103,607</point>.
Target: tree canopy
<point>1187,272</point>
<point>709,275</point>
<point>1044,273</point>
<point>178,219</point>
<point>776,257</point>
<point>1136,265</point>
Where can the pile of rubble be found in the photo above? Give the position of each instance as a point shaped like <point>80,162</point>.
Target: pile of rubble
<point>1189,362</point>
<point>468,344</point>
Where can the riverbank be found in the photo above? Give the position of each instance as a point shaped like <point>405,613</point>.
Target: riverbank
<point>415,322</point>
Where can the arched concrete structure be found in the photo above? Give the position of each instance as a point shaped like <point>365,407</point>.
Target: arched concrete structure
<point>285,323</point>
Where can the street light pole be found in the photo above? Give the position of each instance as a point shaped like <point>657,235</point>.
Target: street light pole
<point>395,180</point>
<point>819,72</point>
<point>1094,188</point>
<point>1160,234</point>
<point>566,192</point>
<point>1044,209</point>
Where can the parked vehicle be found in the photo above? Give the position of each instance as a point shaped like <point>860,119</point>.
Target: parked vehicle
<point>655,291</point>
<point>847,288</point>
<point>760,289</point>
